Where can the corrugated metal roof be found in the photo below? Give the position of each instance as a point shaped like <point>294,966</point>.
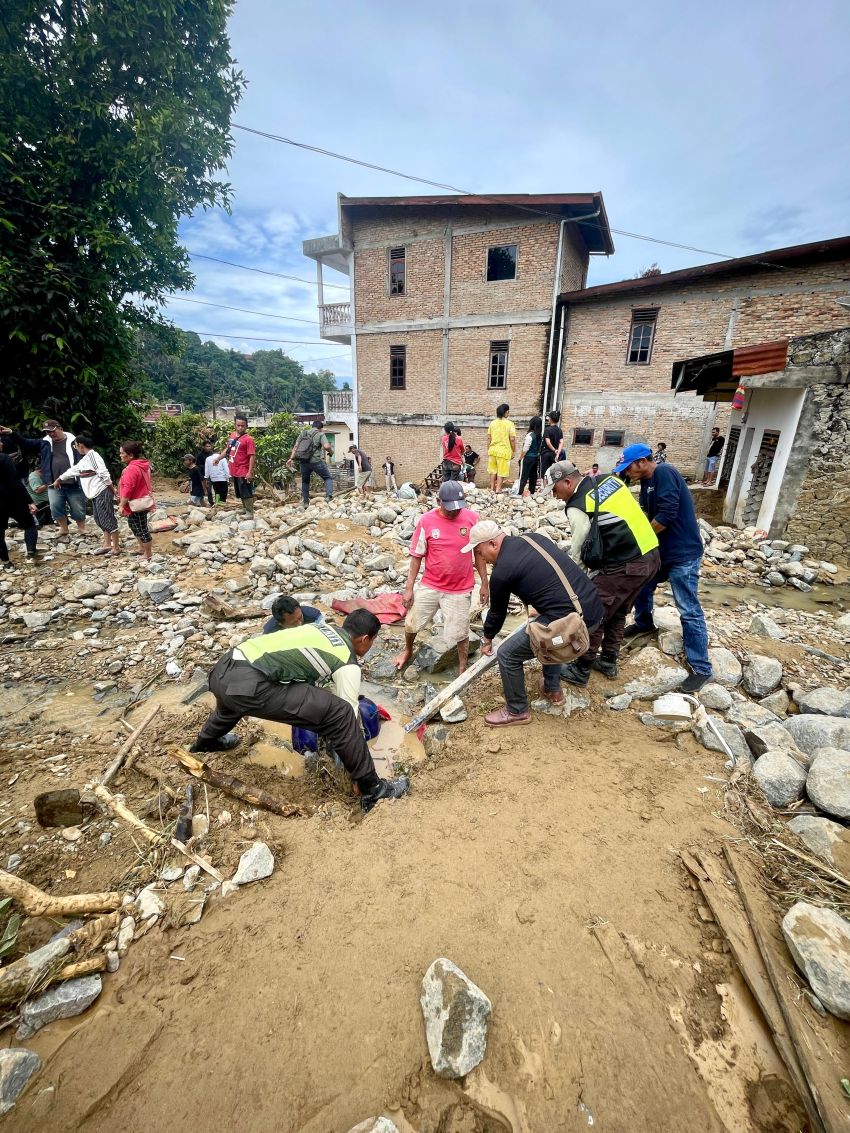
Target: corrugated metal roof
<point>764,358</point>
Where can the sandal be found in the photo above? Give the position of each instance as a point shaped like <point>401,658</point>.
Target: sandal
<point>101,551</point>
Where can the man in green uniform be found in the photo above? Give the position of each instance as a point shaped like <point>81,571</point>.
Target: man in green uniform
<point>275,677</point>
<point>629,557</point>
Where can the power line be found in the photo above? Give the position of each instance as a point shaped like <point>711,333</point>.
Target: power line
<point>242,310</point>
<point>262,271</point>
<point>248,338</point>
<point>484,196</point>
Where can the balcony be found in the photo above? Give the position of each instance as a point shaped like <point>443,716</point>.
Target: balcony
<point>339,401</point>
<point>335,321</point>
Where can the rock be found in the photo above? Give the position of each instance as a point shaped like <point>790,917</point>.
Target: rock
<point>63,1001</point>
<point>37,619</point>
<point>620,702</point>
<point>820,835</point>
<point>113,961</point>
<point>149,904</point>
<point>17,1066</point>
<point>255,864</point>
<point>726,666</point>
<point>228,887</point>
<point>715,696</point>
<point>810,732</point>
<point>454,712</point>
<point>749,715</point>
<point>285,564</point>
<point>824,702</point>
<point>159,590</point>
<point>761,674</point>
<point>819,942</point>
<point>731,733</point>
<point>387,515</point>
<point>764,626</point>
<point>375,1125</point>
<point>574,701</point>
<point>261,566</point>
<point>125,935</point>
<point>379,562</point>
<point>659,676</point>
<point>87,588</point>
<point>843,623</point>
<point>780,777</point>
<point>435,655</point>
<point>190,878</point>
<point>667,618</point>
<point>457,1015</point>
<point>773,737</point>
<point>777,702</point>
<point>671,642</point>
<point>436,738</point>
<point>775,578</point>
<point>337,556</point>
<point>828,784</point>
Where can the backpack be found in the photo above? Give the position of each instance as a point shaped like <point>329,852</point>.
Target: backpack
<point>306,444</point>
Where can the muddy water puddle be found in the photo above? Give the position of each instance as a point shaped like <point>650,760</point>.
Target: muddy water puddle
<point>820,598</point>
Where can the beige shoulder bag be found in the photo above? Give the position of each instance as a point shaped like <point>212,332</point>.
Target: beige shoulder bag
<point>566,638</point>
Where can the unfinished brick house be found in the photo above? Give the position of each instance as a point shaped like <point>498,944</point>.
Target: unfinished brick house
<point>622,339</point>
<point>452,309</point>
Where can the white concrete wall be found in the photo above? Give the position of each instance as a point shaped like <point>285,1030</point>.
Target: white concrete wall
<point>777,409</point>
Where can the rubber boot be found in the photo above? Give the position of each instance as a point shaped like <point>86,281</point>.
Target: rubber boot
<point>606,663</point>
<point>223,743</point>
<point>577,672</point>
<point>384,789</point>
<point>248,505</point>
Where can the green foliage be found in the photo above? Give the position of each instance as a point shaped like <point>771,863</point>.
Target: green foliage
<point>9,937</point>
<point>114,118</point>
<point>274,447</point>
<point>179,367</point>
<point>168,441</point>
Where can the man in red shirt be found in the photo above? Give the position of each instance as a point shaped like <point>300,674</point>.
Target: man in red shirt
<point>448,579</point>
<point>240,454</point>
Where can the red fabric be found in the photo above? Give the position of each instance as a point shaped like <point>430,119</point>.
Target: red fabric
<point>135,482</point>
<point>240,449</point>
<point>387,608</point>
<point>439,540</point>
<point>456,455</point>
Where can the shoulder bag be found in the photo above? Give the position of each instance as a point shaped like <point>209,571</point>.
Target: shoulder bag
<point>593,549</point>
<point>565,638</point>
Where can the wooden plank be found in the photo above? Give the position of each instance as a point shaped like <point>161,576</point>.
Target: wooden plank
<point>821,1044</point>
<point>725,903</point>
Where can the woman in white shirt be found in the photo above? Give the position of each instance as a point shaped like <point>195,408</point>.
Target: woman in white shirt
<point>97,486</point>
<point>217,476</point>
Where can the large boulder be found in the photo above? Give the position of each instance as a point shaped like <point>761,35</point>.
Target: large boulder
<point>810,732</point>
<point>749,715</point>
<point>715,696</point>
<point>260,565</point>
<point>773,737</point>
<point>654,675</point>
<point>764,626</point>
<point>761,674</point>
<point>726,666</point>
<point>60,1002</point>
<point>824,702</point>
<point>819,942</point>
<point>777,702</point>
<point>823,837</point>
<point>731,733</point>
<point>828,784</point>
<point>780,777</point>
<point>457,1016</point>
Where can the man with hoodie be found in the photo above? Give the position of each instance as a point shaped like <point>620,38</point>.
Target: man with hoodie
<point>56,454</point>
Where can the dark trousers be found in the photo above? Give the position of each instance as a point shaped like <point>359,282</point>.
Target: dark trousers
<point>220,489</point>
<point>243,489</point>
<point>451,471</point>
<point>308,467</point>
<point>528,473</point>
<point>512,656</point>
<point>547,459</point>
<point>241,690</point>
<point>618,590</point>
<point>24,519</point>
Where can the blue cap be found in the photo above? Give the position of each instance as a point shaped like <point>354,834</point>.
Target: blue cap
<point>630,455</point>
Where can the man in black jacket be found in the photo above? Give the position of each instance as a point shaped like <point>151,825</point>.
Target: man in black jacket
<point>518,568</point>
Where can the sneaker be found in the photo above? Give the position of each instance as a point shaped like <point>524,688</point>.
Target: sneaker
<point>223,743</point>
<point>694,683</point>
<point>388,789</point>
<point>634,630</point>
<point>502,718</point>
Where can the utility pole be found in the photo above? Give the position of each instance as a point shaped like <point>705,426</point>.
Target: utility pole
<point>212,390</point>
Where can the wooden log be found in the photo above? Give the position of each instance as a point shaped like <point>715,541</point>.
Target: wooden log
<point>91,935</point>
<point>18,979</point>
<point>79,968</point>
<point>120,809</point>
<point>115,766</point>
<point>152,772</point>
<point>36,903</point>
<point>235,787</point>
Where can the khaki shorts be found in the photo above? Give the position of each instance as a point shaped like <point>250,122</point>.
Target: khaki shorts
<point>455,609</point>
<point>362,478</point>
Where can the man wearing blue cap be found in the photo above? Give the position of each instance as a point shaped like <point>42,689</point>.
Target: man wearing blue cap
<point>665,498</point>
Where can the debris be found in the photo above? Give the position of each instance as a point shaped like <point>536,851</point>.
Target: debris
<point>375,1125</point>
<point>819,942</point>
<point>233,786</point>
<point>36,903</point>
<point>17,1066</point>
<point>731,733</point>
<point>61,1002</point>
<point>457,1015</point>
<point>256,863</point>
<point>780,777</point>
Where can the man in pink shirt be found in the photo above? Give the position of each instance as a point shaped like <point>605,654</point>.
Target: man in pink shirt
<point>448,580</point>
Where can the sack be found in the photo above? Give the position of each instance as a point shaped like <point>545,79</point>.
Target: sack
<point>565,638</point>
<point>305,444</point>
<point>593,549</point>
<point>143,503</point>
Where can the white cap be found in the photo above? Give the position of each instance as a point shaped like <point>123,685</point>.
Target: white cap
<point>482,532</point>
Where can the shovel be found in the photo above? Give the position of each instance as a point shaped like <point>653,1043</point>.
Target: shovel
<point>677,706</point>
<point>68,807</point>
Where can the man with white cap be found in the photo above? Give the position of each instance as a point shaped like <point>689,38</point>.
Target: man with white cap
<point>519,568</point>
<point>622,557</point>
<point>447,584</point>
<point>669,507</point>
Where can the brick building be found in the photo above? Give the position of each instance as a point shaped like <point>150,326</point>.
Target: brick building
<point>622,339</point>
<point>452,309</point>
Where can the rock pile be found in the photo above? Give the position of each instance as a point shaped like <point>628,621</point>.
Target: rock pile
<point>771,562</point>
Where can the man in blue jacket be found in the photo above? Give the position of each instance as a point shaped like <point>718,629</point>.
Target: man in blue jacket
<point>666,499</point>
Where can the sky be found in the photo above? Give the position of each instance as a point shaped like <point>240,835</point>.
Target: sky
<point>722,126</point>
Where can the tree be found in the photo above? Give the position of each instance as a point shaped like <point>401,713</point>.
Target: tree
<point>114,119</point>
<point>647,273</point>
<point>168,441</point>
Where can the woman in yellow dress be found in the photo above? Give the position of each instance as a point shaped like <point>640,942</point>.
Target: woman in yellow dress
<point>502,446</point>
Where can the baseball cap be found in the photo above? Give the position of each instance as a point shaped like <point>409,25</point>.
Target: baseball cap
<point>482,532</point>
<point>451,495</point>
<point>562,470</point>
<point>50,425</point>
<point>630,455</point>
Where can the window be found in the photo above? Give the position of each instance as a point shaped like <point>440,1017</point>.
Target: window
<point>582,436</point>
<point>613,437</point>
<point>497,377</point>
<point>397,271</point>
<point>398,367</point>
<point>642,334</point>
<point>501,262</point>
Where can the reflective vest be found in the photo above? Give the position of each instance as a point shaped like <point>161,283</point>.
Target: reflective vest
<point>626,532</point>
<point>309,652</point>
